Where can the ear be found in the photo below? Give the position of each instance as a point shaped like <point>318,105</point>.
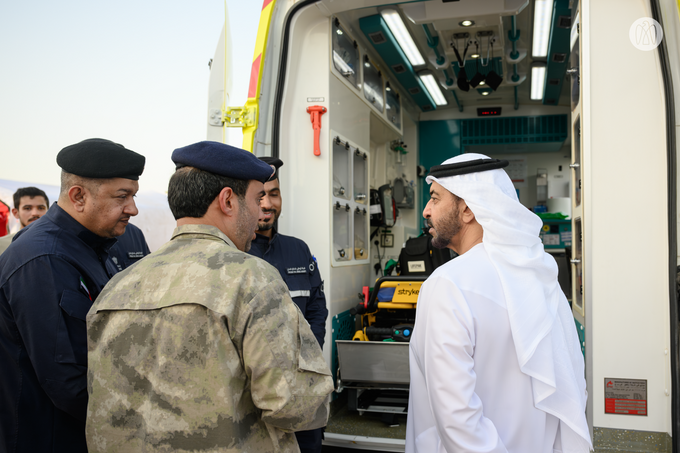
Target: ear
<point>77,196</point>
<point>15,213</point>
<point>466,214</point>
<point>227,201</point>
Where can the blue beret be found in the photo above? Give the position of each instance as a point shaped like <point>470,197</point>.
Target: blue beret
<point>101,158</point>
<point>222,159</point>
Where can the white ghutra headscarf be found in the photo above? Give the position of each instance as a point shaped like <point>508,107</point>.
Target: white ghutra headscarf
<point>542,325</point>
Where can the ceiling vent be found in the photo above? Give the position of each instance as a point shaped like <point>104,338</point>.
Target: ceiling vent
<point>564,21</point>
<point>378,37</point>
<point>399,68</point>
<point>414,90</point>
<point>559,57</point>
<point>553,81</point>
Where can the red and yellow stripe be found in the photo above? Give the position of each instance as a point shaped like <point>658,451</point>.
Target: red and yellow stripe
<point>253,102</point>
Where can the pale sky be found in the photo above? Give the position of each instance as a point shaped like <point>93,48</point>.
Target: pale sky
<point>135,72</point>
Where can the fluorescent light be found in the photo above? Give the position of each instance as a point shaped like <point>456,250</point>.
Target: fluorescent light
<point>402,36</point>
<point>467,23</point>
<point>542,18</point>
<point>485,93</point>
<point>574,31</point>
<point>433,88</point>
<point>537,82</point>
<point>341,66</point>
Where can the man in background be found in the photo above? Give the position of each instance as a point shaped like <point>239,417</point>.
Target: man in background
<point>49,277</point>
<point>30,203</point>
<point>199,347</point>
<point>298,268</point>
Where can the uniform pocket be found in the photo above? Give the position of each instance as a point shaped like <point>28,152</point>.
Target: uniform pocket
<point>71,340</point>
<point>75,304</point>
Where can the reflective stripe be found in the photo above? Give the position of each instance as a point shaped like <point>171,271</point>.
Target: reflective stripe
<point>300,293</point>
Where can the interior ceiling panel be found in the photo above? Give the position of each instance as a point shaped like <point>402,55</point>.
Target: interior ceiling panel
<point>429,12</point>
<point>444,20</point>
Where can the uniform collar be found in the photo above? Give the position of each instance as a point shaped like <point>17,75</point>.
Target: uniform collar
<point>57,215</point>
<point>203,232</point>
<point>262,239</point>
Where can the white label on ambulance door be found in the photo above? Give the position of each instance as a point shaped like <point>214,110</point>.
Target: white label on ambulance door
<point>416,266</point>
<point>315,99</point>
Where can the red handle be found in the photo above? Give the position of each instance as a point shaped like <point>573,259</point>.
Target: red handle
<point>317,134</point>
<point>315,113</point>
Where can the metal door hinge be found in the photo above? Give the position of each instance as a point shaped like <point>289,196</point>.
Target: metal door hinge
<point>239,116</point>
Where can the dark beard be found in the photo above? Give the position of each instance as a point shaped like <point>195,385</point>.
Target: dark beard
<point>265,226</point>
<point>449,227</point>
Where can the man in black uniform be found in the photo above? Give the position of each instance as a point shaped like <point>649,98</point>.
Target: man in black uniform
<point>49,277</point>
<point>298,268</point>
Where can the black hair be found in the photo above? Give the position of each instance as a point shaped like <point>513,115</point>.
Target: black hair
<point>191,191</point>
<point>29,192</point>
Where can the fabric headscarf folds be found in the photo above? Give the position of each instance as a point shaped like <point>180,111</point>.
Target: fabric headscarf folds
<point>542,325</point>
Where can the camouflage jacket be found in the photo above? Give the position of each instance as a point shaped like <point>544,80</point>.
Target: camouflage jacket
<point>198,347</point>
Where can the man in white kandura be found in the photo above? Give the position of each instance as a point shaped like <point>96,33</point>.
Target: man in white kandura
<point>495,359</point>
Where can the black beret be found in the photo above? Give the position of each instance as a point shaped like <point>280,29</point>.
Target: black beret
<point>275,162</point>
<point>222,159</point>
<point>100,158</point>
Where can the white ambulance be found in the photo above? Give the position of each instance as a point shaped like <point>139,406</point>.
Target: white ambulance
<point>360,98</point>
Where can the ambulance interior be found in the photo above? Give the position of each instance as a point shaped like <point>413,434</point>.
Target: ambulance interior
<point>406,87</point>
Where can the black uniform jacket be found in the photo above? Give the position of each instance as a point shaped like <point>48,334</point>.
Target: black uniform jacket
<point>49,277</point>
<point>129,248</point>
<point>298,268</point>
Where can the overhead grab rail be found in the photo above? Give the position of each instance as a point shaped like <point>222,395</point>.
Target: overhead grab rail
<point>433,43</point>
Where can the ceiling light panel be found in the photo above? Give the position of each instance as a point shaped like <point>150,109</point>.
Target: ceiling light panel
<point>542,18</point>
<point>401,34</point>
<point>537,82</point>
<point>433,88</point>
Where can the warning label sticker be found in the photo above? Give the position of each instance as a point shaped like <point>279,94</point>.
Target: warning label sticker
<point>625,396</point>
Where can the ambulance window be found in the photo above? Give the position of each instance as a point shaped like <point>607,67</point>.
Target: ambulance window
<point>345,54</point>
<point>392,106</point>
<point>373,84</point>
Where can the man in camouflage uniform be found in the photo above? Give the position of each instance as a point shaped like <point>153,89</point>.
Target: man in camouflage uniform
<point>199,346</point>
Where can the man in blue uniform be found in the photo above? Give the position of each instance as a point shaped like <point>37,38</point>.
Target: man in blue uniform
<point>49,277</point>
<point>298,268</point>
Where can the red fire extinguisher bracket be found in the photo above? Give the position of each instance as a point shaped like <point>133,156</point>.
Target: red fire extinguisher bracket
<point>315,112</point>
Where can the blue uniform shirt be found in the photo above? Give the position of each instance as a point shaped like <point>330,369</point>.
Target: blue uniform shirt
<point>129,248</point>
<point>298,268</point>
<point>49,277</point>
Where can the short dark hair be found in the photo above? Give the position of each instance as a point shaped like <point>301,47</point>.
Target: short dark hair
<point>191,191</point>
<point>29,192</point>
<point>69,180</point>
